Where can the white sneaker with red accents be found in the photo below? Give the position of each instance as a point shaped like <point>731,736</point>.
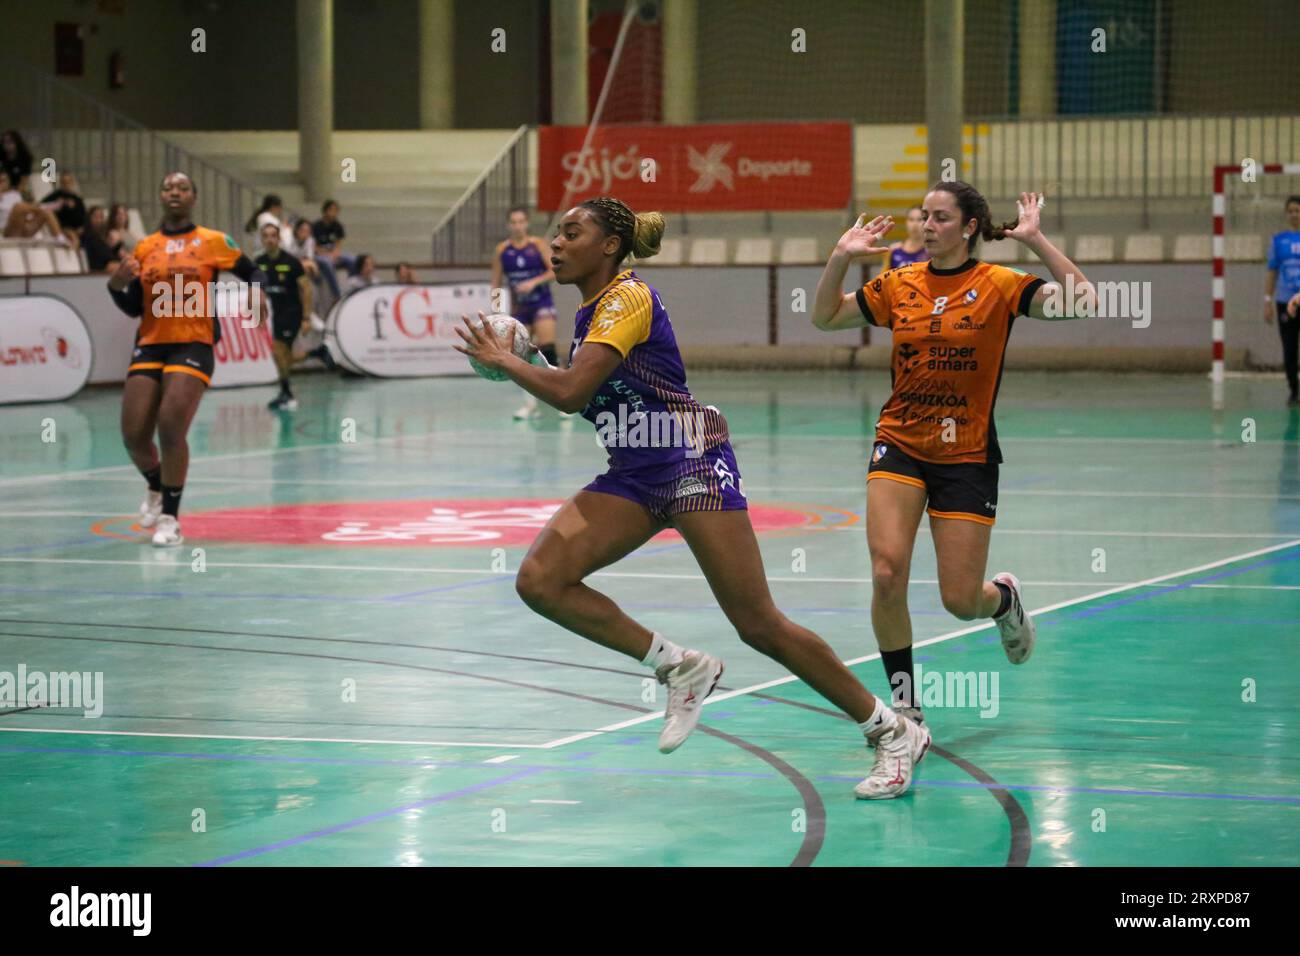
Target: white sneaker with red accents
<point>1017,627</point>
<point>897,754</point>
<point>689,683</point>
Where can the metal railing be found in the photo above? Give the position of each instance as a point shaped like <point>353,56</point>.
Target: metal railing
<point>1143,158</point>
<point>473,226</point>
<point>113,157</point>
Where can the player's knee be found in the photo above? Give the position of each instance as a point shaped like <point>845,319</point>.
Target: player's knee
<point>171,430</point>
<point>888,580</point>
<point>963,605</point>
<point>535,587</point>
<point>762,631</point>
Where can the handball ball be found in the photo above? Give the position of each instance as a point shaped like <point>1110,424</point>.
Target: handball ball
<point>502,326</point>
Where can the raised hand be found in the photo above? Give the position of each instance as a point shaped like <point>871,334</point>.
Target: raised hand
<point>1029,206</point>
<point>865,238</point>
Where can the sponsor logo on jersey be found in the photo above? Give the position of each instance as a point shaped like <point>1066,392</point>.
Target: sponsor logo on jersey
<point>690,486</point>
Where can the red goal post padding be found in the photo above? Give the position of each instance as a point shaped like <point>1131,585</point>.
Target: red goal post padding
<point>1219,207</point>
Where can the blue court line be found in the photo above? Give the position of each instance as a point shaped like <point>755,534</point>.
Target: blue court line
<point>529,770</point>
<point>361,821</point>
<point>1184,585</point>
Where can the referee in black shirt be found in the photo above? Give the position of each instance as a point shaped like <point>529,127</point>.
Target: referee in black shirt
<point>289,290</point>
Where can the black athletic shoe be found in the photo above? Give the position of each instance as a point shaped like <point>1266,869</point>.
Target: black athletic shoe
<point>323,353</point>
<point>284,402</point>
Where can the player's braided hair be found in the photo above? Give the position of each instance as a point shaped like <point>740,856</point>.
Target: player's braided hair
<point>973,205</point>
<point>638,234</point>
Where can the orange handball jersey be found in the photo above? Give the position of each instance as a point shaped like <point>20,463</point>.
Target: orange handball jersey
<point>174,273</point>
<point>950,334</point>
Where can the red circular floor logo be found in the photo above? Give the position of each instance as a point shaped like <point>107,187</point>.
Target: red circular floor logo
<point>410,522</point>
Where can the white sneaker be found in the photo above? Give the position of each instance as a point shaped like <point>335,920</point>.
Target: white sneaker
<point>1017,627</point>
<point>150,509</point>
<point>168,533</point>
<point>528,409</point>
<point>897,754</point>
<point>689,683</point>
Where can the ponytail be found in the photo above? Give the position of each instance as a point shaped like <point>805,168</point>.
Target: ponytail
<point>638,235</point>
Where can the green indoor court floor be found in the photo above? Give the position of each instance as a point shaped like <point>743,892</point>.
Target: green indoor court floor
<point>335,667</point>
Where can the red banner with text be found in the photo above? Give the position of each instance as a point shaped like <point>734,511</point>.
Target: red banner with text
<point>707,167</point>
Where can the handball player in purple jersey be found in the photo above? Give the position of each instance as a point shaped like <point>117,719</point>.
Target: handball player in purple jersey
<point>912,249</point>
<point>625,375</point>
<point>522,260</point>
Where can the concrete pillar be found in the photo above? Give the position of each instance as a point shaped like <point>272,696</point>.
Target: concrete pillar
<point>316,98</point>
<point>944,63</point>
<point>679,73</point>
<point>1037,57</point>
<point>437,83</point>
<point>569,62</point>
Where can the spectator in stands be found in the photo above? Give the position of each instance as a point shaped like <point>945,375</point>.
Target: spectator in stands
<point>68,206</point>
<point>329,234</point>
<point>271,210</point>
<point>101,251</point>
<point>302,246</point>
<point>16,159</point>
<point>405,274</point>
<point>363,274</point>
<point>24,220</point>
<point>119,229</point>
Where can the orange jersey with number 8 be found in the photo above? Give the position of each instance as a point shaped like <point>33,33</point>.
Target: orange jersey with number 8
<point>950,330</point>
<point>196,256</point>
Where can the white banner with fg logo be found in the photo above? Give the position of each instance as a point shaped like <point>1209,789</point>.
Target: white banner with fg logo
<point>45,350</point>
<point>404,331</point>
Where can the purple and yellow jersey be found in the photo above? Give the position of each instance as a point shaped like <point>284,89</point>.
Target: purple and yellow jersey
<point>898,256</point>
<point>520,263</point>
<point>644,414</point>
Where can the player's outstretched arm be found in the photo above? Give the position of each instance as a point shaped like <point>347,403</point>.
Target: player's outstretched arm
<point>1028,231</point>
<point>832,308</point>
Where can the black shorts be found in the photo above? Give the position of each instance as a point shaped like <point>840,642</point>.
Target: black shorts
<point>967,491</point>
<point>285,328</point>
<point>185,358</point>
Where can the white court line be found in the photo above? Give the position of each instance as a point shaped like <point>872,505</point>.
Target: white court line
<point>259,453</point>
<point>502,759</point>
<point>567,803</point>
<point>291,740</point>
<point>647,575</point>
<point>647,717</point>
<point>961,632</point>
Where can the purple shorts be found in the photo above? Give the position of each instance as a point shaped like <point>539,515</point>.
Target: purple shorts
<point>528,313</point>
<point>709,483</point>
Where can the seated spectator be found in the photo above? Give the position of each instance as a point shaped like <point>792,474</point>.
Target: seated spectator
<point>16,160</point>
<point>364,273</point>
<point>119,229</point>
<point>405,274</point>
<point>101,252</point>
<point>301,245</point>
<point>271,210</point>
<point>68,207</point>
<point>24,220</point>
<point>329,233</point>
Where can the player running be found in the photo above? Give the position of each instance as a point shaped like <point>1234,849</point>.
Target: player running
<point>936,446</point>
<point>165,281</point>
<point>624,366</point>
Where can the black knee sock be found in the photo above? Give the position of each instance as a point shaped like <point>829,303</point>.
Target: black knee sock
<point>284,386</point>
<point>154,477</point>
<point>549,352</point>
<point>898,671</point>
<point>172,500</point>
<point>1006,598</point>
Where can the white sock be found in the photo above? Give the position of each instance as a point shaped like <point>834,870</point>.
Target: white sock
<point>662,651</point>
<point>881,721</point>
